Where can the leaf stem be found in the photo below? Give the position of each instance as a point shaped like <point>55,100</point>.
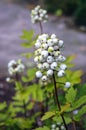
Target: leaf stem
<point>57,101</point>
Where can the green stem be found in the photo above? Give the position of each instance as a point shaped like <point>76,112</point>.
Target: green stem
<point>57,101</point>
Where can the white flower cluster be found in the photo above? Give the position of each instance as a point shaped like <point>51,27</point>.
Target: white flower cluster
<point>15,67</point>
<point>38,15</point>
<point>57,127</point>
<point>48,58</point>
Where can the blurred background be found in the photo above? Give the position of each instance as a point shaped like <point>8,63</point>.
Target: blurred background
<point>67,19</point>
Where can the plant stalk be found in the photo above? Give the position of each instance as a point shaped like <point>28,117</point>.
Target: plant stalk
<point>74,126</point>
<point>41,28</point>
<point>57,101</point>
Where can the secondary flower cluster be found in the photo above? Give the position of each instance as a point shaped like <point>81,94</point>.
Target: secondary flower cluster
<point>48,57</point>
<point>15,67</point>
<point>38,15</point>
<point>57,126</point>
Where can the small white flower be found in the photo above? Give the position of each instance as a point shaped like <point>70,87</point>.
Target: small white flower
<point>63,66</point>
<point>38,45</point>
<point>67,84</point>
<point>56,48</point>
<point>61,73</point>
<point>44,53</point>
<point>62,127</point>
<point>75,112</point>
<point>60,44</point>
<point>50,49</point>
<point>38,74</point>
<point>50,42</point>
<point>53,36</point>
<point>45,65</point>
<point>44,46</point>
<point>11,63</point>
<point>53,65</point>
<point>49,72</point>
<point>55,40</point>
<point>40,66</point>
<point>8,79</point>
<point>61,58</point>
<point>49,59</point>
<point>53,126</point>
<point>36,59</point>
<point>44,78</point>
<point>56,53</point>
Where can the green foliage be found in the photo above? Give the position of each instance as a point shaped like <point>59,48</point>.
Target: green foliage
<point>48,115</point>
<point>43,128</point>
<point>80,13</point>
<point>71,95</point>
<point>68,7</point>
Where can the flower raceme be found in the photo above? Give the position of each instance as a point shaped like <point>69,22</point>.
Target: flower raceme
<point>15,67</point>
<point>38,15</point>
<point>48,57</point>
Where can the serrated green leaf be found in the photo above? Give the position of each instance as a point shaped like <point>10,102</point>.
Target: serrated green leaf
<point>81,101</point>
<point>48,115</point>
<point>71,94</point>
<point>43,128</point>
<point>31,73</point>
<point>2,106</point>
<point>27,35</point>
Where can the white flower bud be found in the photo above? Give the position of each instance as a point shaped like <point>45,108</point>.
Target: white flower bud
<point>38,74</point>
<point>50,49</point>
<point>36,59</point>
<point>40,66</point>
<point>67,84</point>
<point>44,53</point>
<point>44,78</point>
<point>75,112</point>
<point>49,59</point>
<point>62,127</point>
<point>61,58</point>
<point>8,79</point>
<point>11,63</point>
<point>44,46</point>
<point>53,65</point>
<point>63,66</point>
<point>53,126</point>
<point>38,45</point>
<point>56,53</point>
<point>46,66</point>
<point>36,17</point>
<point>55,40</point>
<point>56,48</point>
<point>49,73</point>
<point>61,73</point>
<point>44,12</point>
<point>60,44</point>
<point>50,42</point>
<point>53,36</point>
